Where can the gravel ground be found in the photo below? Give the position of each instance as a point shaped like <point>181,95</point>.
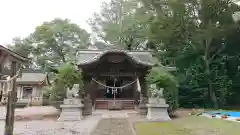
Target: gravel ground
<point>42,127</point>
<point>106,123</point>
<point>31,112</point>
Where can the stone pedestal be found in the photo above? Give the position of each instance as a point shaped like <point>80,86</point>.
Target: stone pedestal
<point>142,106</point>
<point>87,110</point>
<point>71,110</point>
<point>157,110</point>
<point>143,109</point>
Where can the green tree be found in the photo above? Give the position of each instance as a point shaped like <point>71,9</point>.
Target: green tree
<point>67,75</point>
<point>24,48</point>
<point>58,41</point>
<point>52,43</point>
<point>121,23</point>
<point>193,33</point>
<point>21,46</point>
<point>165,80</point>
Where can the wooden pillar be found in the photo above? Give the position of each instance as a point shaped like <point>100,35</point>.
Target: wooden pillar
<point>136,92</point>
<point>144,87</point>
<point>144,100</point>
<point>85,88</point>
<point>1,91</point>
<point>1,85</point>
<point>87,110</point>
<point>93,92</point>
<point>10,114</point>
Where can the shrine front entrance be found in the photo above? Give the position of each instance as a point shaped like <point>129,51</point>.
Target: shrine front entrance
<point>111,93</point>
<point>115,91</point>
<point>114,78</point>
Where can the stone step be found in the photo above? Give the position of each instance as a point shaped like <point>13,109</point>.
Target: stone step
<point>122,115</point>
<point>101,105</point>
<point>118,104</point>
<point>70,118</point>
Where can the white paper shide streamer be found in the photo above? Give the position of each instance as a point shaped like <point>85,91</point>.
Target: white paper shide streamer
<point>138,86</point>
<point>9,84</point>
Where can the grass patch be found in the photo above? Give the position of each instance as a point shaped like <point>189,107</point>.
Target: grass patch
<point>191,125</point>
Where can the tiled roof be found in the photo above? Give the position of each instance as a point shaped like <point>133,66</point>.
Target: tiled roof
<point>90,56</point>
<point>14,54</point>
<point>31,78</point>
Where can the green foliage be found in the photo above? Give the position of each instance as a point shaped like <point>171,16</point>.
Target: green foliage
<point>21,46</point>
<point>165,80</point>
<point>58,92</point>
<point>66,77</point>
<point>122,23</point>
<point>58,41</point>
<point>198,37</point>
<point>53,43</point>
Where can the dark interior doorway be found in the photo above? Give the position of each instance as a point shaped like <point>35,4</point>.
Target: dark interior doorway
<point>113,83</point>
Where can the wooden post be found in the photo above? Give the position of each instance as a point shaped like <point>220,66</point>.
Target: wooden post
<point>10,114</point>
<point>93,92</point>
<point>136,93</point>
<point>1,86</point>
<point>29,101</point>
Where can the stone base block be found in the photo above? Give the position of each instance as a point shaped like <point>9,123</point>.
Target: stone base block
<point>87,110</point>
<point>71,101</point>
<point>143,109</point>
<point>158,112</point>
<point>71,113</point>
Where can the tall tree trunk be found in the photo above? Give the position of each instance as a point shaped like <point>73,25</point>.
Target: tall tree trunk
<point>212,94</point>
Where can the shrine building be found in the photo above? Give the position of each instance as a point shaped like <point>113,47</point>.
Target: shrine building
<point>115,77</point>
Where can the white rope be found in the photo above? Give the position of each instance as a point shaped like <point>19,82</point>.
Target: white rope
<point>7,85</point>
<point>114,87</point>
<point>10,79</point>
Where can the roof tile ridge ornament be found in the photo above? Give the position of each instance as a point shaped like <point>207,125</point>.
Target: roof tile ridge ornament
<point>97,57</point>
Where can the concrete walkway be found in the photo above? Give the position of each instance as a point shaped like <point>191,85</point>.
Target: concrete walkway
<point>114,123</point>
<point>113,126</point>
<point>114,114</point>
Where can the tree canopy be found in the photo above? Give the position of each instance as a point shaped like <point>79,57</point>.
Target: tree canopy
<point>53,43</point>
<point>120,23</point>
<point>198,37</point>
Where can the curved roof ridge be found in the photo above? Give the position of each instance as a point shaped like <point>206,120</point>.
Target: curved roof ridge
<point>101,54</point>
<point>102,50</point>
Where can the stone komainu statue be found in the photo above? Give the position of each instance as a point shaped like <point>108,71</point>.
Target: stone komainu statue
<point>73,92</point>
<point>160,93</point>
<point>69,93</point>
<point>155,92</point>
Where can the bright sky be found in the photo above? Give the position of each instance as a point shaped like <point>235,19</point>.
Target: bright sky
<point>18,18</point>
